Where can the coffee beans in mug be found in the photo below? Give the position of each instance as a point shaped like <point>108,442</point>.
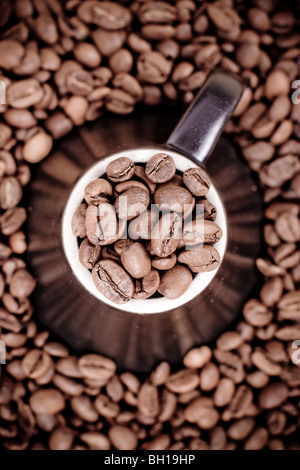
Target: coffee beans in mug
<point>255,410</point>
<point>149,258</point>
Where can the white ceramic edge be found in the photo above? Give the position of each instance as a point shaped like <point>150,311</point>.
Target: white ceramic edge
<point>146,306</point>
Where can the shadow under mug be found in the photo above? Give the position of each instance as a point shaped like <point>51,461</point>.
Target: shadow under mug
<point>141,333</point>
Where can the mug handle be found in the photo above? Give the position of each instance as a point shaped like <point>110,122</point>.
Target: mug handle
<point>199,129</point>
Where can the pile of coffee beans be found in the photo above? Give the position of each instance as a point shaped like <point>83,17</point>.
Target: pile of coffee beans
<point>65,63</point>
<point>113,217</point>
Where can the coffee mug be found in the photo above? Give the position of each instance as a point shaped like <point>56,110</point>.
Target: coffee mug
<point>140,333</point>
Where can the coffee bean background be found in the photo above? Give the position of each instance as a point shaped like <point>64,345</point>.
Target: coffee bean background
<point>65,63</point>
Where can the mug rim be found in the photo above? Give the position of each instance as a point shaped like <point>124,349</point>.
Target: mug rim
<point>139,155</point>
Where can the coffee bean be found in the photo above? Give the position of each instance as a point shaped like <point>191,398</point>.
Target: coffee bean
<point>257,440</point>
<point>37,147</point>
<point>24,93</point>
<point>136,260</point>
<point>121,169</point>
<point>112,281</point>
<point>209,377</point>
<point>78,221</point>
<point>153,67</point>
<point>95,440</point>
<point>69,367</point>
<point>201,259</point>
<point>95,367</point>
<point>183,381</point>
<point>175,282</point>
<point>229,340</point>
<point>277,84</point>
<point>122,438</point>
<point>10,193</point>
<point>160,168</point>
<point>11,53</point>
<point>195,233</point>
<point>172,198</point>
<point>87,54</point>
<point>166,235</point>
<point>147,286</point>
<point>206,209</point>
<point>47,402</point>
<point>102,227</point>
<point>12,220</point>
<point>265,363</point>
<point>121,61</point>
<point>22,284</point>
<point>98,190</point>
<point>84,409</point>
<point>106,15</point>
<point>165,263</point>
<point>61,439</point>
<point>129,84</point>
<point>132,203</point>
<point>108,42</point>
<point>141,174</point>
<point>287,226</point>
<point>241,429</point>
<point>256,314</point>
<point>225,19</point>
<point>35,363</point>
<point>142,226</point>
<point>58,124</point>
<point>202,412</point>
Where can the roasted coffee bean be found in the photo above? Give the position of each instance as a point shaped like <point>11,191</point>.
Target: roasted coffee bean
<point>121,169</point>
<point>84,409</point>
<point>10,192</point>
<point>196,232</point>
<point>122,438</point>
<point>160,168</point>
<point>201,259</point>
<point>37,147</point>
<point>11,53</point>
<point>95,367</point>
<point>197,181</point>
<point>106,15</point>
<point>78,221</point>
<point>98,190</point>
<point>153,67</point>
<point>95,440</point>
<point>142,226</point>
<point>147,286</point>
<point>206,209</point>
<point>164,263</point>
<point>35,364</point>
<point>102,227</point>
<point>129,84</point>
<point>47,402</point>
<point>166,235</point>
<point>175,282</point>
<point>12,220</point>
<point>136,260</point>
<point>24,93</point>
<point>196,40</point>
<point>112,281</point>
<point>22,284</point>
<point>202,412</point>
<point>141,174</point>
<point>132,203</point>
<point>172,198</point>
<point>108,42</point>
